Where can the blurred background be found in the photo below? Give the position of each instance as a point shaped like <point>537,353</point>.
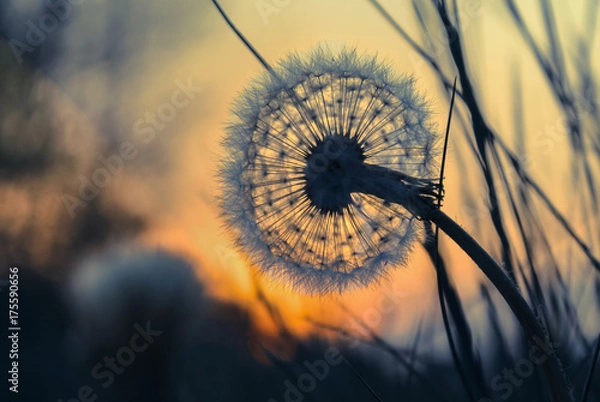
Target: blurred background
<point>111,114</point>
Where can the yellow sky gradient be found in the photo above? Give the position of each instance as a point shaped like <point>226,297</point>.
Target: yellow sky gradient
<point>181,201</point>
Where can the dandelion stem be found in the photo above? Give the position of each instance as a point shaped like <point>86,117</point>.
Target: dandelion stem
<point>392,187</point>
<point>509,292</point>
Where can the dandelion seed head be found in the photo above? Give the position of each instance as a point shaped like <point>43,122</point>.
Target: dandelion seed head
<point>294,144</point>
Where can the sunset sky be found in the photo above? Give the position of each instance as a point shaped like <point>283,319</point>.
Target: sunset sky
<point>96,105</point>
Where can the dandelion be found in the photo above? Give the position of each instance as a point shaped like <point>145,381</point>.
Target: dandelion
<point>299,148</point>
<point>329,174</point>
<point>330,171</point>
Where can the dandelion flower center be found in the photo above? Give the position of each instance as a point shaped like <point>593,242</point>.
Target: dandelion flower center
<point>330,167</point>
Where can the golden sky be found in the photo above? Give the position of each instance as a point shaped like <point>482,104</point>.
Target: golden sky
<point>172,181</point>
